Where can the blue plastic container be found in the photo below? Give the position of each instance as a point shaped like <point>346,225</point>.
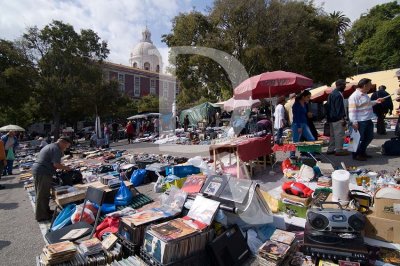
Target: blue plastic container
<point>182,170</point>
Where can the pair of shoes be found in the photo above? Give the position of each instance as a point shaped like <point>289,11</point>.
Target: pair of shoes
<point>342,153</point>
<point>2,187</point>
<point>360,158</point>
<point>367,156</point>
<point>330,152</point>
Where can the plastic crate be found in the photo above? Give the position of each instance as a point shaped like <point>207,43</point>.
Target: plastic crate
<point>128,248</point>
<point>198,259</point>
<point>309,148</point>
<point>182,170</point>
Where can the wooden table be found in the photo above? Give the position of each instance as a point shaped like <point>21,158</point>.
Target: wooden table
<point>244,149</point>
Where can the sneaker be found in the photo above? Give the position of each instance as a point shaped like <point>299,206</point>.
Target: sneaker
<point>367,156</point>
<point>342,153</point>
<point>330,152</point>
<point>360,158</point>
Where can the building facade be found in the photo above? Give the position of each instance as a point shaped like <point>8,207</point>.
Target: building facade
<point>144,74</point>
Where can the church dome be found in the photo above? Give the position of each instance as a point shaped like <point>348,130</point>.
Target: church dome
<point>145,54</point>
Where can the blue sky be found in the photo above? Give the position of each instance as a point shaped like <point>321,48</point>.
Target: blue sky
<point>120,22</point>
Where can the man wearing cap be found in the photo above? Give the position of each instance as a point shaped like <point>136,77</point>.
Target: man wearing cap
<point>48,160</point>
<point>336,118</point>
<point>361,115</point>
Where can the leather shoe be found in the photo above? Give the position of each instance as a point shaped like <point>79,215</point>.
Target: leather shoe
<point>342,153</point>
<point>360,158</point>
<point>43,220</point>
<point>367,156</point>
<point>330,152</point>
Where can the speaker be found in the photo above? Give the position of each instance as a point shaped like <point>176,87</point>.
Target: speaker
<point>317,221</point>
<point>335,220</point>
<point>357,221</point>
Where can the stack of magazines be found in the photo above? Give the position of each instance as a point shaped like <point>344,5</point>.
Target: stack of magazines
<point>91,246</point>
<point>275,250</point>
<point>177,239</point>
<point>58,252</point>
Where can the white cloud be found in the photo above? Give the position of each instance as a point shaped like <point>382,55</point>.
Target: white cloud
<point>120,22</point>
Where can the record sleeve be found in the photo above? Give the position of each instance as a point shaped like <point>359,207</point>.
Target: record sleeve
<point>215,184</point>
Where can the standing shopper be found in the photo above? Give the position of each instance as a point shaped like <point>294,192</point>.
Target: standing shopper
<point>336,118</point>
<point>280,121</point>
<point>382,109</point>
<point>106,131</point>
<point>129,131</point>
<point>115,128</point>
<point>299,126</point>
<point>288,107</point>
<point>10,144</point>
<point>3,161</point>
<point>48,160</point>
<point>361,115</point>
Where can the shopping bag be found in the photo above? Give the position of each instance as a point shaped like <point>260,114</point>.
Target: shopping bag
<point>10,155</point>
<point>124,196</point>
<point>138,176</point>
<point>354,141</point>
<point>64,217</point>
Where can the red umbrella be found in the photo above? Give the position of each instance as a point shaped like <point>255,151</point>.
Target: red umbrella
<point>271,84</point>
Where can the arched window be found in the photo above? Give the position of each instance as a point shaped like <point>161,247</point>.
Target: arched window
<point>146,66</point>
<point>135,65</point>
<point>158,68</point>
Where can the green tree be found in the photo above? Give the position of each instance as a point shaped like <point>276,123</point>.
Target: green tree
<point>342,23</point>
<point>148,103</point>
<point>63,57</point>
<point>371,43</point>
<point>263,36</point>
<point>17,80</point>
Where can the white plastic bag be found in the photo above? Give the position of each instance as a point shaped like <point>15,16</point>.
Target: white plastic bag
<point>354,141</point>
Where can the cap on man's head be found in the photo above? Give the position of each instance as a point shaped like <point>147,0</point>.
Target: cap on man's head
<point>66,138</point>
<point>340,82</point>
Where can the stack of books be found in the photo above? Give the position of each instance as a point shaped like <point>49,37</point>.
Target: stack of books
<point>275,250</point>
<point>58,252</point>
<point>91,246</point>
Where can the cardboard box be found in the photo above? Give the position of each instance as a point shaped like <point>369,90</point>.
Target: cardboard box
<point>387,208</point>
<point>382,229</point>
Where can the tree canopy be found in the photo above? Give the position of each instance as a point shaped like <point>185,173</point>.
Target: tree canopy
<point>263,36</point>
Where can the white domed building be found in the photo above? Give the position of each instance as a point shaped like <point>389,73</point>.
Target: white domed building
<point>145,55</point>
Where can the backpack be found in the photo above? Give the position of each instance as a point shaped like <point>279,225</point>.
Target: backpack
<point>391,147</point>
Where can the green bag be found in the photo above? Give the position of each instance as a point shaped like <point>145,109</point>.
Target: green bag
<point>10,155</point>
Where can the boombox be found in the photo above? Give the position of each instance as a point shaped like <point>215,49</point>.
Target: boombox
<point>335,220</point>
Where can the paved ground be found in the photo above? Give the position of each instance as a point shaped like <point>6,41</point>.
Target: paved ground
<point>21,239</point>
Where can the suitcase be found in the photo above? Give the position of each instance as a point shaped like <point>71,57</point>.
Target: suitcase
<point>391,147</point>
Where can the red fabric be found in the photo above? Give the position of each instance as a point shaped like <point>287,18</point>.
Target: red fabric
<point>271,84</point>
<point>253,148</point>
<point>110,224</point>
<point>284,147</point>
<point>129,129</point>
<point>297,189</point>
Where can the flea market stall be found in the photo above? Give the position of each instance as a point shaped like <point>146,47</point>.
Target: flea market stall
<point>199,215</point>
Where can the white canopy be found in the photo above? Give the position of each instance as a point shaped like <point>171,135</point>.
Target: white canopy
<point>143,116</point>
<point>232,104</point>
<point>11,128</point>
